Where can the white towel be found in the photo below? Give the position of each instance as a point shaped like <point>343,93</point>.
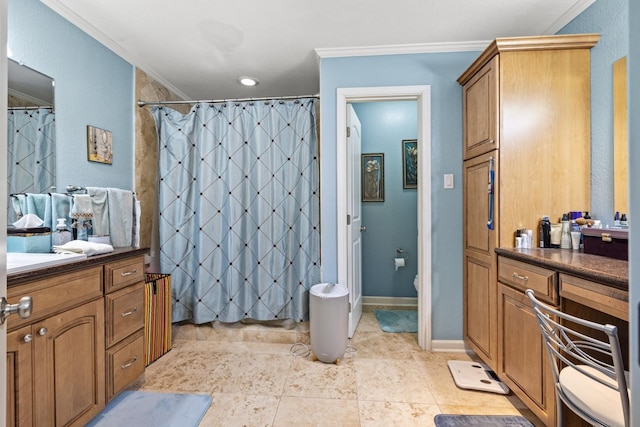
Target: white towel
<point>120,216</point>
<point>81,207</point>
<point>82,247</point>
<point>100,210</point>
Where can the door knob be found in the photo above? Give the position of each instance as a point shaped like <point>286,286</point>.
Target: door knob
<point>22,308</point>
<point>363,228</point>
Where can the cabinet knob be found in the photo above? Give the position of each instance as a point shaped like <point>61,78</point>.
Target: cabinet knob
<point>27,338</point>
<point>22,308</point>
<point>42,331</point>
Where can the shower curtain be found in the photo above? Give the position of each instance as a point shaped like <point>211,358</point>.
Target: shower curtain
<point>31,152</point>
<point>239,209</point>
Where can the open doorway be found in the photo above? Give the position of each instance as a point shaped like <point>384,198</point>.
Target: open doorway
<point>347,233</point>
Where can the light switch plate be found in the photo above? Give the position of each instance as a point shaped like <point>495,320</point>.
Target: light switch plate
<point>448,181</point>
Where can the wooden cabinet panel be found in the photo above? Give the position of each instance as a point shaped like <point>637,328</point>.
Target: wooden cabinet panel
<point>19,378</point>
<point>523,276</point>
<point>480,308</point>
<point>69,366</point>
<point>523,363</point>
<point>478,237</point>
<point>123,273</point>
<point>480,111</point>
<point>125,362</point>
<point>124,312</point>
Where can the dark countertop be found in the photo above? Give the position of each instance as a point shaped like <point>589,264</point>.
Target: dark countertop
<point>609,271</point>
<point>22,277</point>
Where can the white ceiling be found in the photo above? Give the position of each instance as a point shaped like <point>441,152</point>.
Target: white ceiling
<point>198,48</point>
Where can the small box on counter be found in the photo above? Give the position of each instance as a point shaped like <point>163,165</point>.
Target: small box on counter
<point>29,240</point>
<point>609,242</point>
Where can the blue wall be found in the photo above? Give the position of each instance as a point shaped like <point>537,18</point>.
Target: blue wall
<point>633,65</point>
<point>393,223</point>
<point>609,18</point>
<point>440,70</point>
<point>94,86</point>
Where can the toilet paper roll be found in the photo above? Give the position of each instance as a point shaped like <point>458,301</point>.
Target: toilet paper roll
<point>399,262</point>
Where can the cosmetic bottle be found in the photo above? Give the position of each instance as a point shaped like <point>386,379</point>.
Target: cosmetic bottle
<point>518,239</point>
<point>623,220</point>
<point>616,219</point>
<point>565,240</point>
<point>61,235</point>
<point>529,239</point>
<point>545,232</point>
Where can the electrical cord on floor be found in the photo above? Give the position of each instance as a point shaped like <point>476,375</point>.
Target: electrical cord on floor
<point>301,349</point>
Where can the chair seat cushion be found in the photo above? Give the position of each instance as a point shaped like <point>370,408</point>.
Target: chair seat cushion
<point>600,401</point>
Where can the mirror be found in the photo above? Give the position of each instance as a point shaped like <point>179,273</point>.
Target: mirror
<point>31,151</point>
<point>620,165</point>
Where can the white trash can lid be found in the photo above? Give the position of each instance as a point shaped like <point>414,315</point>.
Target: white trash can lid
<point>329,290</point>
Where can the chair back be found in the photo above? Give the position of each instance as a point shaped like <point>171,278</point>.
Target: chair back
<point>570,342</point>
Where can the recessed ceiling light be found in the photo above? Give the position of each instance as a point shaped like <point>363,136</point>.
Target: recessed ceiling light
<point>248,81</point>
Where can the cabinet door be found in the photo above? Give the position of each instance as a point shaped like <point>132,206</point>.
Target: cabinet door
<point>69,366</point>
<point>481,111</point>
<point>19,378</point>
<point>480,271</point>
<point>523,360</point>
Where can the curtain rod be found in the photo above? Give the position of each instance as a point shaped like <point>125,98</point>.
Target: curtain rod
<point>216,101</point>
<point>30,108</point>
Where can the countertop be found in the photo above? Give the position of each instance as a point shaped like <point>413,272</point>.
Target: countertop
<point>609,271</point>
<point>19,278</point>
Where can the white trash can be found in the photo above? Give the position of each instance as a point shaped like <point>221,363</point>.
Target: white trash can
<point>329,321</point>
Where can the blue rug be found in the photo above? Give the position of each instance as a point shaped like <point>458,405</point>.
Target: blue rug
<point>397,320</point>
<point>147,409</point>
<point>481,420</point>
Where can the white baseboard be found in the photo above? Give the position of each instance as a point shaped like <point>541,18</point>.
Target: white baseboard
<point>404,302</point>
<point>451,346</point>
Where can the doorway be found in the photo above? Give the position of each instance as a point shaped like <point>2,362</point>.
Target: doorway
<point>346,233</point>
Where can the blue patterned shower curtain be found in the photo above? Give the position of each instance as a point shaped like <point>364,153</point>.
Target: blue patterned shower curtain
<point>31,152</point>
<point>239,209</point>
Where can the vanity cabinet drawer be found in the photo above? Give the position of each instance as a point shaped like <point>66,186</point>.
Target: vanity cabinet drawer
<point>121,274</point>
<point>597,296</point>
<point>125,363</point>
<point>56,294</point>
<point>125,312</point>
<point>523,276</point>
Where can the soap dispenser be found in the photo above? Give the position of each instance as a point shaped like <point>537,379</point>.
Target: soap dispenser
<point>61,235</point>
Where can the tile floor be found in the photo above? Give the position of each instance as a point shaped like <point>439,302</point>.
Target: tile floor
<point>256,379</point>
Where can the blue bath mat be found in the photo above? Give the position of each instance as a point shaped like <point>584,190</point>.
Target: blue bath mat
<point>481,420</point>
<point>397,320</point>
<point>147,409</point>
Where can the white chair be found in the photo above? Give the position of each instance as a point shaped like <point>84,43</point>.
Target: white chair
<point>588,373</point>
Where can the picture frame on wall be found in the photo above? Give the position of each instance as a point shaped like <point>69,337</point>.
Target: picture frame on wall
<point>409,163</point>
<point>372,177</point>
<point>99,145</point>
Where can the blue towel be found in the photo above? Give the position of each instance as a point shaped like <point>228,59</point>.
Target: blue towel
<point>100,210</point>
<point>60,208</point>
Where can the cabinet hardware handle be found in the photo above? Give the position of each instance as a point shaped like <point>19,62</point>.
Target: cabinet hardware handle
<point>42,331</point>
<point>23,308</point>
<point>129,273</point>
<point>130,312</point>
<point>519,277</point>
<point>126,365</point>
<point>27,338</point>
<point>490,141</point>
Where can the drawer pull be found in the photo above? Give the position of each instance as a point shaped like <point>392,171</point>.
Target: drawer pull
<point>129,273</point>
<point>130,312</point>
<point>126,365</point>
<point>519,277</point>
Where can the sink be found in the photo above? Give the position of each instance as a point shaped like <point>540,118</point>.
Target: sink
<point>18,262</point>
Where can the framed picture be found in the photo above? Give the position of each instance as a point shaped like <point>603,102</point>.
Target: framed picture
<point>373,177</point>
<point>99,145</point>
<point>409,163</point>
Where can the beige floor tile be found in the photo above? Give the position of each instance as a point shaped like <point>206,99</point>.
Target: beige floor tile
<point>316,379</point>
<point>385,414</point>
<point>316,412</point>
<point>392,381</point>
<point>374,345</point>
<point>252,373</point>
<point>231,410</point>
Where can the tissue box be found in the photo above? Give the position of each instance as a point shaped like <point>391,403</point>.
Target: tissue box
<point>29,240</point>
<point>609,242</point>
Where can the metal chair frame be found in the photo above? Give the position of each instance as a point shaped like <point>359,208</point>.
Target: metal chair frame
<point>568,347</point>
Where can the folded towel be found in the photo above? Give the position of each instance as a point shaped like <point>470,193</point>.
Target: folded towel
<point>29,221</point>
<point>82,247</point>
<point>81,207</point>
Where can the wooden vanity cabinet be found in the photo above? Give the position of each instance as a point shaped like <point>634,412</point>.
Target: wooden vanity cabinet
<point>526,105</point>
<point>523,363</point>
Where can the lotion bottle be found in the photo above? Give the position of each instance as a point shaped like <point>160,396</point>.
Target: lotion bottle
<point>61,235</point>
<point>565,240</point>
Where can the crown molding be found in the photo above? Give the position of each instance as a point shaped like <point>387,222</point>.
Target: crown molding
<point>109,43</point>
<point>402,49</point>
<point>575,10</point>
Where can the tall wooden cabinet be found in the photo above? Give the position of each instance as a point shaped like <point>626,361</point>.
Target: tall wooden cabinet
<point>526,112</point>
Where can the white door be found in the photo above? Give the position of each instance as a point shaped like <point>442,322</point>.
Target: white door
<point>354,222</point>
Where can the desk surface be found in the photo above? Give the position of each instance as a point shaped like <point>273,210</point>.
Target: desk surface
<point>608,271</point>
